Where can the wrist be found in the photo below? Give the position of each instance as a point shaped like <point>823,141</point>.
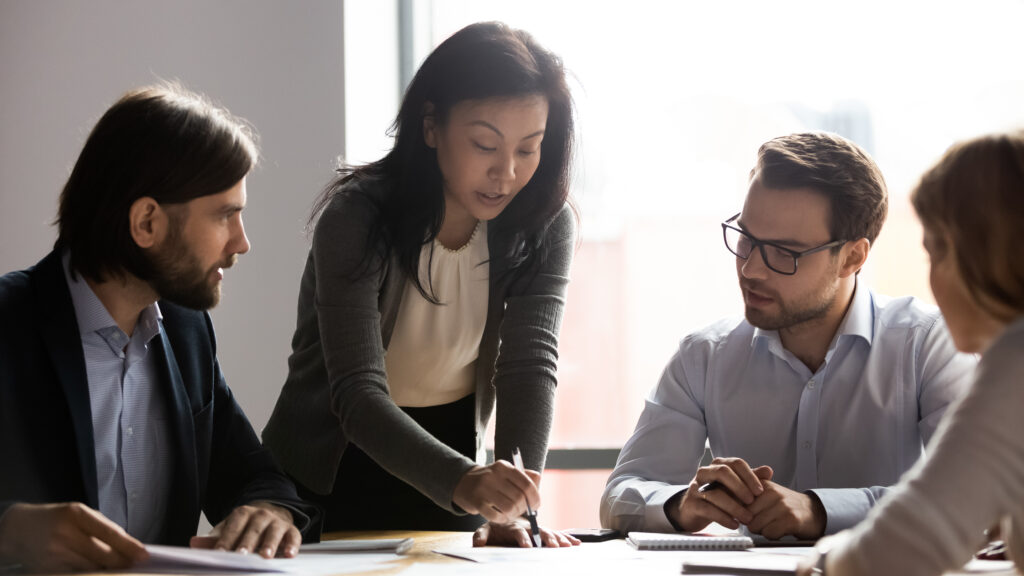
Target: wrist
<point>819,516</point>
<point>275,509</point>
<point>674,510</point>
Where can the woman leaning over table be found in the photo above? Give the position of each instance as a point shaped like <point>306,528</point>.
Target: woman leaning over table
<point>432,296</point>
<point>971,205</point>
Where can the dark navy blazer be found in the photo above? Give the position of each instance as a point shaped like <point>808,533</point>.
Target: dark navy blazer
<point>46,442</point>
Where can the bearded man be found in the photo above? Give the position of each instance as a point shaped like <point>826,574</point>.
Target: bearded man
<point>116,425</point>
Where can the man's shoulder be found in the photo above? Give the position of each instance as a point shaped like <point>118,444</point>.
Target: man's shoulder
<point>18,288</point>
<point>14,286</point>
<point>905,312</point>
<point>722,333</point>
<point>185,326</point>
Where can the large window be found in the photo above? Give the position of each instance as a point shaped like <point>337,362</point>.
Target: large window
<point>674,99</point>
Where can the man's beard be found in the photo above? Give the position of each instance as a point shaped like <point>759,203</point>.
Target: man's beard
<point>179,277</point>
<point>811,308</point>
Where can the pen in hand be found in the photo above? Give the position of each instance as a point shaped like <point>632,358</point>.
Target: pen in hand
<point>517,460</point>
<point>713,485</point>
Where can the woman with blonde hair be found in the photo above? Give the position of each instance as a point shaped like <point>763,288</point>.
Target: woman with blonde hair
<point>971,205</point>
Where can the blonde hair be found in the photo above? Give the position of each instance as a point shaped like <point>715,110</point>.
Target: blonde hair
<point>974,197</point>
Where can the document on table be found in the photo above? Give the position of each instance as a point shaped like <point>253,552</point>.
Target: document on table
<point>180,560</point>
<point>770,564</point>
<point>396,545</point>
<point>574,554</point>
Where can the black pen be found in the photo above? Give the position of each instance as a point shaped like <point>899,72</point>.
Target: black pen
<point>517,459</point>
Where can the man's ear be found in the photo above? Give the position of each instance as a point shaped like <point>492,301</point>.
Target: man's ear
<point>147,222</point>
<point>429,125</point>
<point>856,254</point>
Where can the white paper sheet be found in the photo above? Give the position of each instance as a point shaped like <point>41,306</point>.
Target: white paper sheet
<point>174,558</point>
<point>583,553</point>
<point>180,560</point>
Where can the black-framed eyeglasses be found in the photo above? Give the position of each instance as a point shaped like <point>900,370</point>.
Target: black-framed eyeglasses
<point>776,258</point>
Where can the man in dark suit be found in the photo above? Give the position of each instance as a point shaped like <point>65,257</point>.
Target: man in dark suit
<point>116,425</point>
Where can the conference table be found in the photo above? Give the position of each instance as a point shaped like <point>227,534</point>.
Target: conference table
<point>611,558</point>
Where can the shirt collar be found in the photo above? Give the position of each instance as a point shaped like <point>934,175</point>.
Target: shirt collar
<point>860,318</point>
<point>92,315</point>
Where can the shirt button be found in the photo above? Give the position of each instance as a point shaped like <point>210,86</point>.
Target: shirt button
<point>134,495</point>
<point>130,431</point>
<point>807,445</point>
<point>811,384</point>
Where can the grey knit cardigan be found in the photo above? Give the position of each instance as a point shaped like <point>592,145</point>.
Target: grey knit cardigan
<point>337,392</point>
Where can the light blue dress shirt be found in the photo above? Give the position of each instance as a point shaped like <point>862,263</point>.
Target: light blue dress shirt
<point>129,417</point>
<point>845,432</point>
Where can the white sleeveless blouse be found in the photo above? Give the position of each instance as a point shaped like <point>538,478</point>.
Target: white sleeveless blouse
<point>431,359</point>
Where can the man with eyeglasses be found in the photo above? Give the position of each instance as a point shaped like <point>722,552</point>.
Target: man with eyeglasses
<point>824,395</point>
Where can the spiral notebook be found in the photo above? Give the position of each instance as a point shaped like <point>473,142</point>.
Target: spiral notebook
<point>657,541</point>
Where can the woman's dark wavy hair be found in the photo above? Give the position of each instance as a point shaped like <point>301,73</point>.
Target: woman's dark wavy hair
<point>163,142</point>
<point>481,61</point>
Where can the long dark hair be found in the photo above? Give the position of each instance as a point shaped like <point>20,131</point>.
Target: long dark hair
<point>483,60</point>
<point>161,141</point>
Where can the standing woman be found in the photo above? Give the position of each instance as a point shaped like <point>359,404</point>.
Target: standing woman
<point>432,295</point>
<point>972,208</point>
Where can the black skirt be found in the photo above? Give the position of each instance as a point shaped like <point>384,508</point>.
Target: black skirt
<point>367,497</point>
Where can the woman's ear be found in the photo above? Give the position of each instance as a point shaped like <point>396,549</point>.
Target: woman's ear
<point>147,222</point>
<point>856,256</point>
<point>429,125</point>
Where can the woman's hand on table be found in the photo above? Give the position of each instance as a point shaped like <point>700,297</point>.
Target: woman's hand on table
<point>517,533</point>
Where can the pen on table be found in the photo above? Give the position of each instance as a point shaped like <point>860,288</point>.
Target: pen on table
<point>517,459</point>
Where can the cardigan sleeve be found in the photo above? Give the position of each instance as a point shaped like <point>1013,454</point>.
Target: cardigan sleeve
<point>524,378</point>
<point>347,310</point>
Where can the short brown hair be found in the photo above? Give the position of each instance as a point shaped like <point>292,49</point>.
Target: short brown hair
<point>975,195</point>
<point>163,142</point>
<point>835,167</point>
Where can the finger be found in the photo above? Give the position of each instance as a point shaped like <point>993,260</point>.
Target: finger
<point>289,547</point>
<point>710,513</point>
<point>508,501</point>
<point>481,535</point>
<point>523,484</point>
<point>764,473</point>
<point>554,539</point>
<point>726,503</point>
<point>747,476</point>
<point>534,477</point>
<point>766,517</point>
<point>776,529</point>
<point>230,529</point>
<point>726,476</point>
<point>95,524</point>
<point>203,542</point>
<point>66,560</point>
<point>521,536</point>
<point>93,552</point>
<point>271,538</point>
<point>565,539</point>
<point>253,533</point>
<point>493,514</point>
<point>769,499</point>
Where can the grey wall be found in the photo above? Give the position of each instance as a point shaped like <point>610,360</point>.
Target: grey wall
<point>277,64</point>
